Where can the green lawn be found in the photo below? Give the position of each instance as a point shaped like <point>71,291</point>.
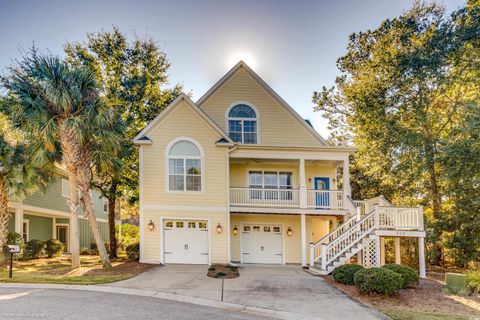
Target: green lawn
<point>58,270</point>
<point>397,314</point>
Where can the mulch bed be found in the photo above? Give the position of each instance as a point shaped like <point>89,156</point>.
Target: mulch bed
<point>428,296</point>
<point>223,271</point>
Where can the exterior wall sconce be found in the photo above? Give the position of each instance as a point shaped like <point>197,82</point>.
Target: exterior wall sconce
<point>289,232</point>
<point>309,180</point>
<point>235,230</point>
<point>219,228</point>
<point>151,225</point>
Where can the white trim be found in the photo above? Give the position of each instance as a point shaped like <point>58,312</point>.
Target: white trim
<point>67,225</point>
<point>162,238</point>
<point>202,166</point>
<point>54,228</point>
<point>27,222</point>
<point>293,211</point>
<point>256,119</point>
<point>263,223</point>
<point>229,254</point>
<point>46,211</point>
<point>268,89</point>
<point>263,170</point>
<point>169,109</point>
<point>183,208</point>
<point>140,205</point>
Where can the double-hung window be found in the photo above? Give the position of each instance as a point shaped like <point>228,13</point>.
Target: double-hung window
<point>269,184</point>
<point>242,124</point>
<point>184,167</point>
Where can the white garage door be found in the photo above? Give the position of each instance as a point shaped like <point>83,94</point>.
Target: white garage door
<point>186,241</point>
<point>262,243</point>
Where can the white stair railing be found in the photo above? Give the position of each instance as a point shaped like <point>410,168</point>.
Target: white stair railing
<point>348,239</point>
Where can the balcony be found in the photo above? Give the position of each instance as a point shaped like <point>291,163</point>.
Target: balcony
<point>287,198</point>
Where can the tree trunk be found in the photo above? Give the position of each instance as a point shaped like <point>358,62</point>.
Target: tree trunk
<point>87,200</point>
<point>437,258</point>
<point>111,227</point>
<point>74,205</point>
<point>5,217</point>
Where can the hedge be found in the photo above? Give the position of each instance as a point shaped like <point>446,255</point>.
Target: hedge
<point>409,276</point>
<point>378,280</point>
<point>53,248</point>
<point>345,273</point>
<point>34,249</point>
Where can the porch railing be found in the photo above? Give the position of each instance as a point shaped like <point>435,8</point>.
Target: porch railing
<point>325,199</point>
<point>264,197</point>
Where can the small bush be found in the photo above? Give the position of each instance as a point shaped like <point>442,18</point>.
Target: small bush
<point>378,280</point>
<point>34,249</point>
<point>84,251</point>
<point>473,281</point>
<point>220,274</point>
<point>409,276</point>
<point>15,238</point>
<point>133,252</point>
<point>345,273</point>
<point>53,248</point>
<point>93,248</point>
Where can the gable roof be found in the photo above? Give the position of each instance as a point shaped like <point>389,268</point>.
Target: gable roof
<point>142,137</point>
<point>268,89</point>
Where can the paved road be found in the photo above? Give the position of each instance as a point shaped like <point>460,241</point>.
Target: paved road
<point>72,304</point>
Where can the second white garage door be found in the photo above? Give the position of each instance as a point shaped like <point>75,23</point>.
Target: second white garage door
<point>262,243</point>
<point>186,241</point>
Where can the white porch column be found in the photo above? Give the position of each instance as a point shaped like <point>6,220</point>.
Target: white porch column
<point>382,251</point>
<point>19,220</point>
<point>303,184</point>
<point>346,178</point>
<point>421,257</point>
<point>304,239</point>
<point>398,258</point>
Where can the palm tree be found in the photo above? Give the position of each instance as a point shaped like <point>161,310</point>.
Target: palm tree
<point>17,176</point>
<point>61,105</point>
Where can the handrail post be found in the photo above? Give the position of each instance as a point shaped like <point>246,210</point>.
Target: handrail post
<point>312,255</point>
<point>420,219</point>
<point>359,213</point>
<point>324,256</point>
<point>376,217</point>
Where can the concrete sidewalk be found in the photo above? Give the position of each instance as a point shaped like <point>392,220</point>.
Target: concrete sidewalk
<point>282,289</point>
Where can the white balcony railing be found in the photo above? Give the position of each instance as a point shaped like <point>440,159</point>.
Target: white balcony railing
<point>259,197</point>
<point>325,199</point>
<point>400,218</point>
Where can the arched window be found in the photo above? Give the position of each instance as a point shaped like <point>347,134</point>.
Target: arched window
<point>242,124</point>
<point>184,167</point>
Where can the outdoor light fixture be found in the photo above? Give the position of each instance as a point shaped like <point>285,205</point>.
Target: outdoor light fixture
<point>151,225</point>
<point>289,232</point>
<point>235,230</point>
<point>219,228</point>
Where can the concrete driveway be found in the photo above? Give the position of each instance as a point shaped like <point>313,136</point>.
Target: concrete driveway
<point>282,288</point>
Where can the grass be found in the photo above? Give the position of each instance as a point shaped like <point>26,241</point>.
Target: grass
<point>397,314</point>
<point>58,271</point>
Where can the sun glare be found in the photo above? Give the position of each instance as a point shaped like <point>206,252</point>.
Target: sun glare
<point>241,55</point>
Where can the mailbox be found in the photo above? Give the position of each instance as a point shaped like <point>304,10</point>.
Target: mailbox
<point>12,248</point>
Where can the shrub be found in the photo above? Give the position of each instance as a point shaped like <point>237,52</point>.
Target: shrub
<point>93,248</point>
<point>344,274</point>
<point>133,252</point>
<point>378,280</point>
<point>409,275</point>
<point>53,248</point>
<point>84,251</point>
<point>34,249</point>
<point>220,274</point>
<point>15,238</point>
<point>473,281</point>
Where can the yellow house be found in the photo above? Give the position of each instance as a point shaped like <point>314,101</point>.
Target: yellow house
<point>240,177</point>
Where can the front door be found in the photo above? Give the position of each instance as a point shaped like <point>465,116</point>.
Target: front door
<point>62,236</point>
<point>262,243</point>
<point>323,198</point>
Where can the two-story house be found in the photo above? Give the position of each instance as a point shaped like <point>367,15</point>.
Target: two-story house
<point>240,177</point>
<point>45,215</point>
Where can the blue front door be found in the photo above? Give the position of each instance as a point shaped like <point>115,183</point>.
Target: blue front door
<point>323,198</point>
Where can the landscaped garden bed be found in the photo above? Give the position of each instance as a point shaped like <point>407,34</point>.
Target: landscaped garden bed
<point>58,270</point>
<point>426,301</point>
<point>223,271</point>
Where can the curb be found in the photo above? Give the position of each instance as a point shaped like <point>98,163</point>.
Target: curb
<point>168,296</point>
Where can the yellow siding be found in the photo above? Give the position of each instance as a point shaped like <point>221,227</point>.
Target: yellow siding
<point>184,122</point>
<point>273,118</point>
<point>293,249</point>
<point>239,173</point>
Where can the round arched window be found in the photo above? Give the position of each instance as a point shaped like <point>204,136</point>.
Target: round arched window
<point>242,124</point>
<point>184,167</point>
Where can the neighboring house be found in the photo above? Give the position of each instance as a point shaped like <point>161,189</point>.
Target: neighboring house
<point>239,176</point>
<point>46,215</point>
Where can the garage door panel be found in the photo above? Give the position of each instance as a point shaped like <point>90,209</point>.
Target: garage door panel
<point>186,242</point>
<point>262,244</point>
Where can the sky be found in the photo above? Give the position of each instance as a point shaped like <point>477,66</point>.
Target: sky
<point>292,45</point>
